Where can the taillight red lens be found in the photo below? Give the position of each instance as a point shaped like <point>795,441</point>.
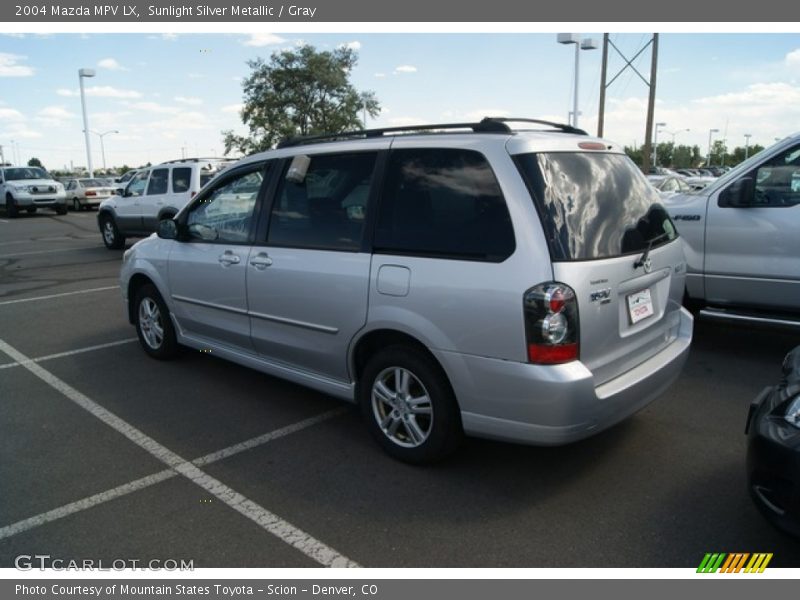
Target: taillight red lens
<point>91,193</point>
<point>551,323</point>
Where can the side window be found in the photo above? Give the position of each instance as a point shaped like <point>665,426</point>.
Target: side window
<point>225,213</point>
<point>328,208</point>
<point>71,185</point>
<point>778,181</point>
<point>137,185</point>
<point>445,203</point>
<point>670,185</point>
<point>181,176</point>
<point>158,182</point>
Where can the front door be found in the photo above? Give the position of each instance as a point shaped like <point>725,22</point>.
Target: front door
<point>207,269</point>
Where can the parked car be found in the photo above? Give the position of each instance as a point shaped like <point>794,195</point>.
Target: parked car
<point>121,182</point>
<point>30,188</point>
<point>152,195</point>
<point>667,185</point>
<point>773,449</point>
<point>515,285</point>
<point>87,193</point>
<point>741,237</point>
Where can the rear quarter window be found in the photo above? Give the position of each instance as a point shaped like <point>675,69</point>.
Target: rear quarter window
<point>443,203</point>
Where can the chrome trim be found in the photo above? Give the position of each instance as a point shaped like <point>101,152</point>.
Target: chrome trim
<point>722,315</point>
<point>303,324</point>
<point>238,311</point>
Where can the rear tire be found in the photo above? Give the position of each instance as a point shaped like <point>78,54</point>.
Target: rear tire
<point>112,238</point>
<point>409,406</point>
<point>61,210</point>
<point>76,205</point>
<point>153,324</point>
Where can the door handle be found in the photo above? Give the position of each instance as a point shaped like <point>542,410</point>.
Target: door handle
<point>261,261</point>
<point>228,258</point>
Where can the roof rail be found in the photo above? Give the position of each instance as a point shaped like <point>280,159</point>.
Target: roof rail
<point>201,159</point>
<point>486,125</point>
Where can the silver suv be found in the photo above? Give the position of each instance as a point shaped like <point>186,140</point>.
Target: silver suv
<point>515,285</point>
<point>154,194</point>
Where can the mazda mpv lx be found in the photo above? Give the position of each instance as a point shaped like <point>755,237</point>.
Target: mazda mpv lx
<point>451,279</point>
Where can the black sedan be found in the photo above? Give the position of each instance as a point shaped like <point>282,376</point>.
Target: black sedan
<point>773,452</point>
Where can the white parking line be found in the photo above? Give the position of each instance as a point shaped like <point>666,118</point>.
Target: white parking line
<point>269,521</point>
<point>71,352</point>
<point>145,482</point>
<point>15,254</point>
<point>60,238</point>
<point>89,291</point>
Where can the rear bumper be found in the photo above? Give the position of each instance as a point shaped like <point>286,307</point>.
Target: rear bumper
<point>553,405</point>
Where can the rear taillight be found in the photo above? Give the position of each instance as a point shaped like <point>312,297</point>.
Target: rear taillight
<point>551,323</point>
<point>91,193</point>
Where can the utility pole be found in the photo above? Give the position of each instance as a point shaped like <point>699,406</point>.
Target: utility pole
<point>651,84</point>
<point>651,104</point>
<point>2,156</point>
<point>603,73</point>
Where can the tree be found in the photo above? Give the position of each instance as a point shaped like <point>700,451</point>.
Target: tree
<point>35,162</point>
<point>300,92</point>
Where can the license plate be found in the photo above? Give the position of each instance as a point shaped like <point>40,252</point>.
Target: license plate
<point>640,306</point>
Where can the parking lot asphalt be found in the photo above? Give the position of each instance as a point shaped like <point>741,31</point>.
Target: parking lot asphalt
<point>108,454</point>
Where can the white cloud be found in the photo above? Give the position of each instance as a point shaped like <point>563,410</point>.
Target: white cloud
<point>355,45</point>
<point>793,59</point>
<point>195,76</point>
<point>181,121</point>
<point>380,75</point>
<point>9,66</point>
<point>110,64</point>
<point>407,121</point>
<point>56,112</point>
<point>154,107</point>
<point>259,40</point>
<point>406,69</point>
<point>188,100</point>
<point>100,91</point>
<point>232,108</point>
<point>9,114</point>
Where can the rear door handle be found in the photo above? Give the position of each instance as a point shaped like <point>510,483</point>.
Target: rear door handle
<point>261,261</point>
<point>228,258</point>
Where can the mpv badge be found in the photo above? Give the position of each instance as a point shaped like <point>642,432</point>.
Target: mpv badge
<point>648,265</point>
<point>603,296</point>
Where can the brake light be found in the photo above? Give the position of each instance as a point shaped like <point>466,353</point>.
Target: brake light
<point>551,324</point>
<point>91,193</point>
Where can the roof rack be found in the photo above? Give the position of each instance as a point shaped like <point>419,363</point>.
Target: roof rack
<point>195,160</point>
<point>486,125</point>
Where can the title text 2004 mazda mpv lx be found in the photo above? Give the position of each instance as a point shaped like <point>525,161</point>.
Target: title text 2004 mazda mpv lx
<point>516,285</point>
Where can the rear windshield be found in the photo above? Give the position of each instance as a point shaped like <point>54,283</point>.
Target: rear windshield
<point>594,205</point>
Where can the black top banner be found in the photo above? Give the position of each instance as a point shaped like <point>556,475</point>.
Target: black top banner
<point>442,11</point>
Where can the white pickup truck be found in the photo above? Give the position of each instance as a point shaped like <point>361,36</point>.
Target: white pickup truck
<point>742,239</point>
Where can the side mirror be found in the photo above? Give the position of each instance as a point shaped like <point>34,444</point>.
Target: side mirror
<point>739,194</point>
<point>167,229</point>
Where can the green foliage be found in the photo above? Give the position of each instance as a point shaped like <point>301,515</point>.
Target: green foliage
<point>35,162</point>
<point>300,92</point>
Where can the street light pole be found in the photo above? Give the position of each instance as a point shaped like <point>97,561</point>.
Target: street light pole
<point>708,158</point>
<point>747,137</point>
<point>655,144</point>
<point>585,44</point>
<point>102,146</point>
<point>81,74</point>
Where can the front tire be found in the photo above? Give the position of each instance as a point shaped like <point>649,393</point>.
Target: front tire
<point>61,210</point>
<point>409,406</point>
<point>11,208</point>
<point>112,238</point>
<point>153,324</point>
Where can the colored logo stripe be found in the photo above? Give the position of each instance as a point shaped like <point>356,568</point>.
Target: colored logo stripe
<point>734,563</point>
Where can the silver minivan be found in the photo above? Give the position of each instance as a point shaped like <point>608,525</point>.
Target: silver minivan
<point>472,279</point>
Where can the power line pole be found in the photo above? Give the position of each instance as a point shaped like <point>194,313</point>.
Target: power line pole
<point>651,84</point>
<point>651,104</point>
<point>603,73</point>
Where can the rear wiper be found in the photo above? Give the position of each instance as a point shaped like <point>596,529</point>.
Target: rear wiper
<point>646,255</point>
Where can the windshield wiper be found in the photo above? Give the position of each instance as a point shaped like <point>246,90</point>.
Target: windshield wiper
<point>646,255</point>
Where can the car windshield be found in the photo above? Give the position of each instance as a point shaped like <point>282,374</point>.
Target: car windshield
<point>19,173</point>
<point>594,205</point>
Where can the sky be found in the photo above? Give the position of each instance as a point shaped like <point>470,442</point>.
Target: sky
<point>171,95</point>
